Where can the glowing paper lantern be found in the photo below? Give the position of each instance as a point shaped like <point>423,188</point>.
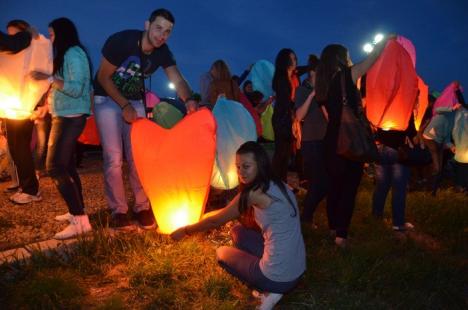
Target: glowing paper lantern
<point>175,166</point>
<point>421,105</point>
<point>409,48</point>
<point>235,126</point>
<point>19,93</point>
<point>447,99</point>
<point>261,76</point>
<point>267,125</point>
<point>151,99</point>
<point>391,88</point>
<point>90,134</point>
<point>166,115</point>
<point>460,135</point>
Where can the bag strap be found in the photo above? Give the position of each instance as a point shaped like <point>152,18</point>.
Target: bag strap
<point>140,54</point>
<point>344,96</point>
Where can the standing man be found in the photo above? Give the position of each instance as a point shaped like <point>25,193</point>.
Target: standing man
<point>128,57</point>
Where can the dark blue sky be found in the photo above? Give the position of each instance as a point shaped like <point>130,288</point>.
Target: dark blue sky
<point>242,31</point>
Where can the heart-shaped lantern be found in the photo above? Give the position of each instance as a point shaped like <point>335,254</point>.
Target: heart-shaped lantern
<point>235,126</point>
<point>174,166</point>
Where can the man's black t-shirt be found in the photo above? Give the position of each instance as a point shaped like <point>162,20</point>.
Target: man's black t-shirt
<point>122,50</point>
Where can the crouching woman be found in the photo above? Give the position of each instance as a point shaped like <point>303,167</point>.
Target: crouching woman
<point>270,259</point>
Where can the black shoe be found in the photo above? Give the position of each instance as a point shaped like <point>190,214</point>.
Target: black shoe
<point>121,222</point>
<point>145,219</point>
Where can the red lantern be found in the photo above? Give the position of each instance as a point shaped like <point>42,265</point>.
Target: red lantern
<point>391,88</point>
<point>174,166</point>
<point>421,105</point>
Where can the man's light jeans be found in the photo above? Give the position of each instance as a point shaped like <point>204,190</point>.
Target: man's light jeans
<point>114,133</point>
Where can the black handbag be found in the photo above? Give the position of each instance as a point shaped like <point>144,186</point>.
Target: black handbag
<point>355,139</point>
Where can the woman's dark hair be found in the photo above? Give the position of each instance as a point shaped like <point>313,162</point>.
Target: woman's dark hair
<point>333,58</point>
<point>264,176</point>
<point>282,63</point>
<point>66,36</point>
<point>164,14</point>
<point>246,83</point>
<point>19,24</point>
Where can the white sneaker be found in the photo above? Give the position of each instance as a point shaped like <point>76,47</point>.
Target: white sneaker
<point>269,300</point>
<point>79,224</point>
<point>64,217</point>
<point>23,198</point>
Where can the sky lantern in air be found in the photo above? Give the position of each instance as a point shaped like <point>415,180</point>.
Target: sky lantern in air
<point>235,126</point>
<point>392,87</point>
<point>174,166</point>
<point>19,93</point>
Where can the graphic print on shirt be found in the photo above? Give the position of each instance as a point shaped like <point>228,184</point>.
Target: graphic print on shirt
<point>128,77</point>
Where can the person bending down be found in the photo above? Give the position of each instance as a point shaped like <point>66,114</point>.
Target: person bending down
<point>270,254</point>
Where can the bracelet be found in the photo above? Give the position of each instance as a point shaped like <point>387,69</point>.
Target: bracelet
<point>186,231</point>
<point>124,106</point>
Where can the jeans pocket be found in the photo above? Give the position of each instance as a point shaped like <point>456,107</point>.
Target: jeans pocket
<point>99,99</point>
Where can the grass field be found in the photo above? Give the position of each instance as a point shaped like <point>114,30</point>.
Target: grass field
<point>422,269</point>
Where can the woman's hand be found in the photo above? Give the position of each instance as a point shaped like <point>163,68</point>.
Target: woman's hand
<point>179,233</point>
<point>39,76</point>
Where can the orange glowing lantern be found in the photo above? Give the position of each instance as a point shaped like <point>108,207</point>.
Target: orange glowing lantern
<point>90,133</point>
<point>421,104</point>
<point>19,93</point>
<point>175,166</point>
<point>391,88</point>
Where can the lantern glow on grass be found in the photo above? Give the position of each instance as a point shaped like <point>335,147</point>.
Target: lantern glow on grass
<point>175,166</point>
<point>19,93</point>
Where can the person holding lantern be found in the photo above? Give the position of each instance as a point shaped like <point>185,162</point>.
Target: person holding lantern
<point>19,131</point>
<point>69,104</point>
<point>268,254</point>
<point>334,74</point>
<point>128,57</point>
<point>437,135</point>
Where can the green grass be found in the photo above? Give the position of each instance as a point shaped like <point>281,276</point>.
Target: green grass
<point>425,269</point>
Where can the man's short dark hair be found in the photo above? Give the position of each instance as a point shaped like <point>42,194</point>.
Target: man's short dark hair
<point>163,13</point>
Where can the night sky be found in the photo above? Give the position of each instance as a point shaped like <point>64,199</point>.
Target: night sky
<point>241,32</point>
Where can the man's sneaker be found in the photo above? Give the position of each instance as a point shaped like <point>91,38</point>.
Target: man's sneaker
<point>121,222</point>
<point>23,198</point>
<point>145,219</point>
<point>79,225</point>
<point>407,226</point>
<point>269,300</point>
<point>64,217</point>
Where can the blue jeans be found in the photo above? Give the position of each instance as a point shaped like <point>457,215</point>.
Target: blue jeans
<point>243,261</point>
<point>60,161</point>
<point>315,171</point>
<point>390,174</point>
<point>42,132</point>
<point>114,133</point>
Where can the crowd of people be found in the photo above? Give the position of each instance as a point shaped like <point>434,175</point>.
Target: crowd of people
<point>268,252</point>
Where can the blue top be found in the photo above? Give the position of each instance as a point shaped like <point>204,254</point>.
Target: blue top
<point>75,97</point>
<point>440,127</point>
<point>284,258</point>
